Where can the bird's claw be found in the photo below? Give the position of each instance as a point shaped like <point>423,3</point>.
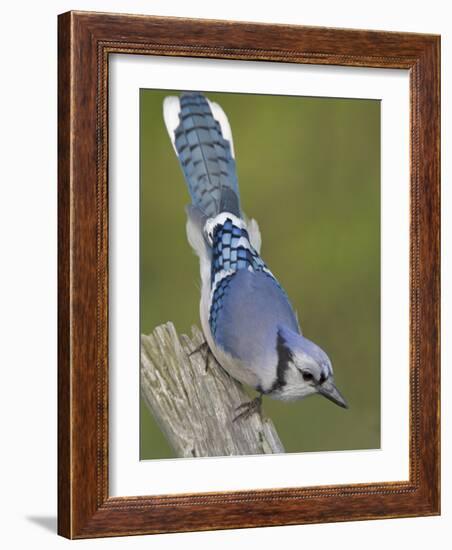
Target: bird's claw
<point>249,408</point>
<point>202,348</point>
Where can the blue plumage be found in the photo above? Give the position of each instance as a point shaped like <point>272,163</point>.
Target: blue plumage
<point>248,321</point>
<point>205,158</point>
<point>231,252</point>
<point>254,304</point>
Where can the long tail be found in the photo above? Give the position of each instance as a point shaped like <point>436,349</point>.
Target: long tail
<point>201,137</point>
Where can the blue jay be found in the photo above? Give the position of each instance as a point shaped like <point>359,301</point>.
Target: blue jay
<point>247,319</point>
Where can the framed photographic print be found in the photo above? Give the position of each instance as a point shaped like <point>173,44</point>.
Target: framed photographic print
<point>248,275</point>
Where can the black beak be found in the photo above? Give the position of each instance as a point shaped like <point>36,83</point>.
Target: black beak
<point>329,390</point>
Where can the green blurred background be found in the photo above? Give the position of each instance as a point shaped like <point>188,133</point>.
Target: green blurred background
<point>309,172</point>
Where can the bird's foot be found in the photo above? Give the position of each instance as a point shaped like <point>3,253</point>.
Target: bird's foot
<point>245,410</point>
<point>202,348</point>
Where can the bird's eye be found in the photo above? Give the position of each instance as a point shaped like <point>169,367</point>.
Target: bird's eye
<point>307,376</point>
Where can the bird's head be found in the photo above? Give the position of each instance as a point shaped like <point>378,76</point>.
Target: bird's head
<point>303,369</point>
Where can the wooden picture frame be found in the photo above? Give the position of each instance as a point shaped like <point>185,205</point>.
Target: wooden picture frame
<point>85,42</point>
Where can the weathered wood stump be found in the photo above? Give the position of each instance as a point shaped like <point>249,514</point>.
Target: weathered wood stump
<point>194,400</point>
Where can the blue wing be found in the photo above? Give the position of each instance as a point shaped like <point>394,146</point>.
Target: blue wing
<point>232,250</point>
<point>246,297</point>
<point>250,310</point>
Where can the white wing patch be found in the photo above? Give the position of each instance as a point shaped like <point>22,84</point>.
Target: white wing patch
<point>171,110</point>
<point>219,219</point>
<point>217,280</point>
<point>255,235</point>
<point>220,116</point>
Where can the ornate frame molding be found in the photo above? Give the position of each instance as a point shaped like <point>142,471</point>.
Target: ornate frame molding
<point>85,42</point>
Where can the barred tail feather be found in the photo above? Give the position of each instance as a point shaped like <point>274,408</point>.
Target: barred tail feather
<point>201,136</point>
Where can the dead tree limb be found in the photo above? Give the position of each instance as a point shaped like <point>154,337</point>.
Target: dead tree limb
<point>194,400</point>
